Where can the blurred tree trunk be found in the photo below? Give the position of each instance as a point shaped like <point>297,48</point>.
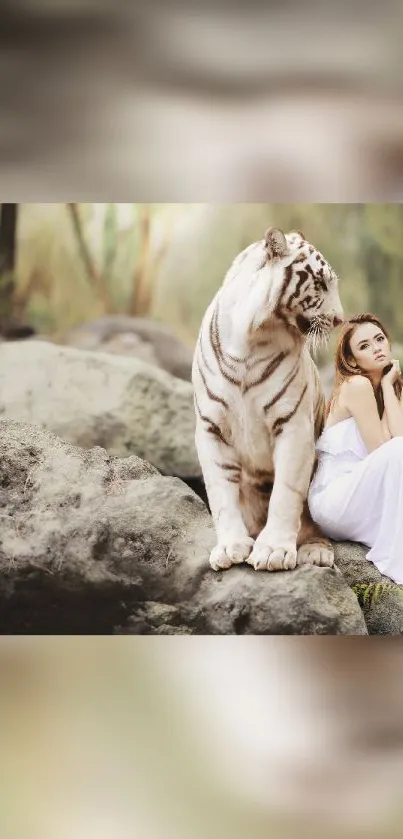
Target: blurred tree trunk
<point>141,294</point>
<point>8,234</point>
<point>144,277</point>
<point>10,326</point>
<point>95,277</point>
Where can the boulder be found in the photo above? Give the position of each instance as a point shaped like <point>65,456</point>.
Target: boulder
<point>94,399</point>
<point>94,544</point>
<point>13,329</point>
<point>133,336</point>
<point>307,601</point>
<point>381,600</point>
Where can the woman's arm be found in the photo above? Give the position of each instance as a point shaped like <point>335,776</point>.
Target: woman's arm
<point>385,427</point>
<point>393,407</point>
<point>393,411</point>
<point>358,397</point>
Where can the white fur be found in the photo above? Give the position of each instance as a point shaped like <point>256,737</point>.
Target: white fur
<point>247,300</point>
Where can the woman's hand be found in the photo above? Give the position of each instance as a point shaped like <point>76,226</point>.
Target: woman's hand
<point>393,374</point>
<point>393,406</point>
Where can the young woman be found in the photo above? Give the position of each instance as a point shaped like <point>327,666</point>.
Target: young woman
<point>357,491</point>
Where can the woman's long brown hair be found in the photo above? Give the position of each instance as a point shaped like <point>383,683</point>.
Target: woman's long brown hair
<point>344,367</point>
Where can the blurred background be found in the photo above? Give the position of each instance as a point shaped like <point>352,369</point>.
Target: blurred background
<point>77,263</point>
<point>173,101</point>
<point>172,738</point>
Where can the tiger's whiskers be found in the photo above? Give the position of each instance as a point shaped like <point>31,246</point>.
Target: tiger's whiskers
<point>318,334</point>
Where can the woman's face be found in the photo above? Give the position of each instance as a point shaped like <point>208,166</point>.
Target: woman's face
<point>370,348</point>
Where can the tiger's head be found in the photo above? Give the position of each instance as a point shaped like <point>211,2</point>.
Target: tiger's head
<point>304,287</point>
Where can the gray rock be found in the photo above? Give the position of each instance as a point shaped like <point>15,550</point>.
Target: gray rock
<point>307,601</point>
<point>380,599</point>
<point>86,539</point>
<point>133,336</point>
<point>94,544</point>
<point>94,399</point>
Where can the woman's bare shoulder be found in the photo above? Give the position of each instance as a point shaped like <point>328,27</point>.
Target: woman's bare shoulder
<point>356,384</point>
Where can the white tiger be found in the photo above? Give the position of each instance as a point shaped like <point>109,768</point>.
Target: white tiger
<point>259,402</point>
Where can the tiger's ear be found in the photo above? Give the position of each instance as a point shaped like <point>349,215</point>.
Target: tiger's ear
<point>276,243</point>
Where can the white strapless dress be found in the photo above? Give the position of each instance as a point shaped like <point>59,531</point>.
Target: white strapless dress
<point>358,496</point>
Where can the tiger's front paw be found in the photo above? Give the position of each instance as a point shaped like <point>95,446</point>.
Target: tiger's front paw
<point>228,552</point>
<point>316,553</point>
<point>274,557</point>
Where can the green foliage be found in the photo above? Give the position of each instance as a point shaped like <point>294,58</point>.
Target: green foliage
<point>383,223</point>
<point>369,593</point>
